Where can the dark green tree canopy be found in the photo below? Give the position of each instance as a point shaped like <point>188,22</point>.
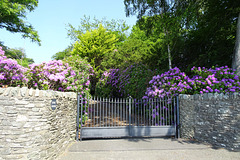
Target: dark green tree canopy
<point>63,54</point>
<point>12,15</point>
<point>206,28</point>
<point>148,7</point>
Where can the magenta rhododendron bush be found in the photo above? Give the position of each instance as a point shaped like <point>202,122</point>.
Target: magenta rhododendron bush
<point>171,83</point>
<point>11,73</point>
<point>203,80</point>
<point>53,75</point>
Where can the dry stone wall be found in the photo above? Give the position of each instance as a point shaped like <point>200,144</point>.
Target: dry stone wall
<point>30,129</point>
<point>211,118</point>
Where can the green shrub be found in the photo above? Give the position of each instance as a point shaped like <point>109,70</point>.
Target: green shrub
<point>131,81</point>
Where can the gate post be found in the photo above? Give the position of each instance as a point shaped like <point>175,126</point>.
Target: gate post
<point>81,118</point>
<point>178,123</point>
<point>77,128</point>
<point>129,111</point>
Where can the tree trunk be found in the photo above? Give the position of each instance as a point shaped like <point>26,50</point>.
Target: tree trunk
<point>169,50</point>
<point>169,57</point>
<point>236,52</point>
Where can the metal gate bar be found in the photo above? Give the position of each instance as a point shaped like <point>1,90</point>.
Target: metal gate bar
<point>118,117</point>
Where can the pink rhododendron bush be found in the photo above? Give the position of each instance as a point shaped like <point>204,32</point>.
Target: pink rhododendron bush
<point>72,74</point>
<point>11,73</point>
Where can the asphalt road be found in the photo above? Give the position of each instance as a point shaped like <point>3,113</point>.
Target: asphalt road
<point>145,149</point>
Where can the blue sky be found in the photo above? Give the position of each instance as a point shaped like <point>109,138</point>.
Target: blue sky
<point>50,19</point>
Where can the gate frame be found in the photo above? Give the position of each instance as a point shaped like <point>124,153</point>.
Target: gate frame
<point>130,126</point>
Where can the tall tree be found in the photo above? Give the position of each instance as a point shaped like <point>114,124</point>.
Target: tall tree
<point>236,53</point>
<point>12,15</point>
<point>94,45</point>
<point>118,27</point>
<point>210,27</point>
<point>211,40</point>
<point>163,8</point>
<point>87,24</point>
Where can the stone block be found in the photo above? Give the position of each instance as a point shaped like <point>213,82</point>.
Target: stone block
<point>210,96</point>
<point>6,151</point>
<point>22,118</point>
<point>223,110</point>
<point>35,109</point>
<point>205,96</point>
<point>30,93</point>
<point>5,122</point>
<point>37,93</point>
<point>2,91</point>
<point>4,98</point>
<point>7,103</point>
<point>12,112</point>
<point>7,91</point>
<point>23,91</point>
<point>14,92</point>
<point>21,102</point>
<point>226,97</point>
<point>34,155</point>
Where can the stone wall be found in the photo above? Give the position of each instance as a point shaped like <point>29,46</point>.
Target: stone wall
<point>30,129</point>
<point>211,118</point>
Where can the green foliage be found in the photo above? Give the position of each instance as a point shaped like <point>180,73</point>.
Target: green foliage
<point>65,53</point>
<point>79,64</point>
<point>162,25</point>
<point>148,43</point>
<point>118,27</point>
<point>131,51</point>
<point>83,69</point>
<point>191,31</point>
<point>12,15</point>
<point>17,54</point>
<point>94,45</point>
<point>25,62</point>
<point>139,75</point>
<point>136,51</point>
<point>103,87</point>
<point>130,81</point>
<point>97,40</point>
<point>212,39</point>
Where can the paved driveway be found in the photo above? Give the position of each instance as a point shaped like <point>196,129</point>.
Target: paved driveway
<point>145,149</point>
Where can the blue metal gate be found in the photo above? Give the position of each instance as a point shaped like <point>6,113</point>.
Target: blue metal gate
<point>118,117</point>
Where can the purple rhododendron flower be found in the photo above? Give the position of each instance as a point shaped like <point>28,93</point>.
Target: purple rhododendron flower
<point>69,87</point>
<point>214,77</point>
